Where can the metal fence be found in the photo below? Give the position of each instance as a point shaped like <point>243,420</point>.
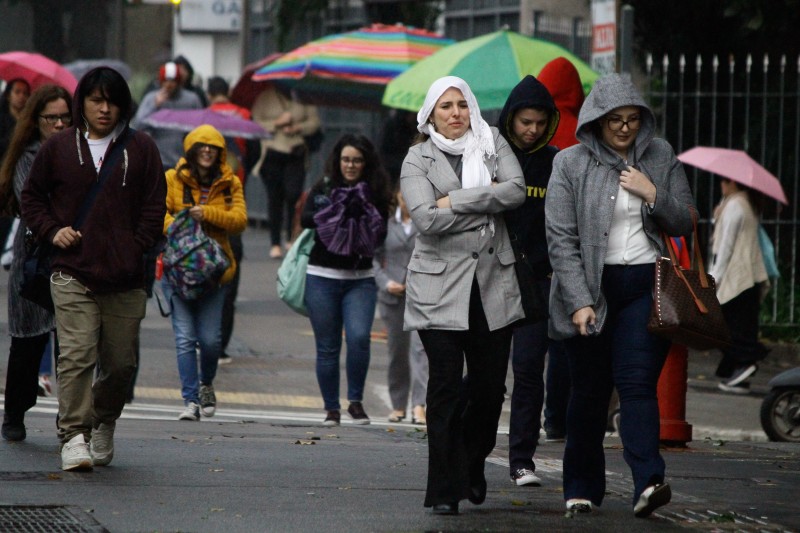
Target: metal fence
<point>574,34</point>
<point>745,103</point>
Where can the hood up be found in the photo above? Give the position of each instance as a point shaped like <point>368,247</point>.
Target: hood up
<point>529,92</point>
<point>206,134</point>
<point>611,92</point>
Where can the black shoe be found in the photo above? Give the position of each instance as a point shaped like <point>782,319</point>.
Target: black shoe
<point>332,419</point>
<point>477,484</point>
<point>652,498</point>
<point>13,428</point>
<point>357,413</point>
<point>446,508</point>
<point>741,374</point>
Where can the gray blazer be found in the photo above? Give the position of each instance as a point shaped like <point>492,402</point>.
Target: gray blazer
<point>391,259</point>
<point>456,245</point>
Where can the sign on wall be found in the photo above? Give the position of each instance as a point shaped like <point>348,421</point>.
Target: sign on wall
<point>211,15</point>
<point>604,36</point>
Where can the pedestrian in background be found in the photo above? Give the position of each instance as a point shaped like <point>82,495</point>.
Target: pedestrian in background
<point>248,153</point>
<point>528,121</point>
<point>205,184</point>
<point>97,280</point>
<point>340,283</point>
<point>609,201</point>
<point>12,101</point>
<point>737,266</point>
<point>462,293</point>
<point>46,113</point>
<point>170,95</point>
<point>285,158</point>
<point>408,363</point>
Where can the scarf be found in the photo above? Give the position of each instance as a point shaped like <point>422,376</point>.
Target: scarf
<point>475,146</point>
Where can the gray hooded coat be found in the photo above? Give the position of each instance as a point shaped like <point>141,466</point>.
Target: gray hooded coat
<point>581,197</point>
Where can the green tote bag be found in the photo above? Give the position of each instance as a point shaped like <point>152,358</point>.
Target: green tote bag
<point>292,272</point>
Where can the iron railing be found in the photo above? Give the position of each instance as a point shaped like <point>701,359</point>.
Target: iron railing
<point>747,104</point>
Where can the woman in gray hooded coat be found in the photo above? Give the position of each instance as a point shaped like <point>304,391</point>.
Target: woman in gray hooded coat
<point>609,200</point>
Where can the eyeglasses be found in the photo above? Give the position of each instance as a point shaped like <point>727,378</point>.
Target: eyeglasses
<point>356,161</point>
<point>209,148</point>
<point>616,123</point>
<point>66,119</point>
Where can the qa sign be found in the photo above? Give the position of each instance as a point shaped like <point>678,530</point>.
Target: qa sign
<point>211,15</point>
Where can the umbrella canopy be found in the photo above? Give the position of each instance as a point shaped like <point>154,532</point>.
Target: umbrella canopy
<point>491,64</point>
<point>82,66</point>
<point>189,119</point>
<point>737,166</point>
<point>351,69</point>
<point>246,90</point>
<point>36,69</point>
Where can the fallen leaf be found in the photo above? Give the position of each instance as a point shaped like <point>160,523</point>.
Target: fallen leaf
<point>304,442</point>
<point>216,469</point>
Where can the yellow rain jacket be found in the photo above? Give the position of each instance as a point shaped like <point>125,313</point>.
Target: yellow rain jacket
<point>224,211</point>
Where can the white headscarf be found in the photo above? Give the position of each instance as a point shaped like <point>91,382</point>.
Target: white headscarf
<point>475,146</point>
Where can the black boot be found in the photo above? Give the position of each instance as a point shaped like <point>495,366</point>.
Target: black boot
<point>14,427</point>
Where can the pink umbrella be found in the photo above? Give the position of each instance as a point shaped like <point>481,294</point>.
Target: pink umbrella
<point>189,119</point>
<point>735,165</point>
<point>36,69</point>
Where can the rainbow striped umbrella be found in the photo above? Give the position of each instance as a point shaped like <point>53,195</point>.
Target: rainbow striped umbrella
<point>351,69</point>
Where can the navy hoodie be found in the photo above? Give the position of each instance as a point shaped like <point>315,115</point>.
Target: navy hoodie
<point>527,221</point>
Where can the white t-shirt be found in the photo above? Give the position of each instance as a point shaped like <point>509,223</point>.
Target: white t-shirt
<point>99,148</point>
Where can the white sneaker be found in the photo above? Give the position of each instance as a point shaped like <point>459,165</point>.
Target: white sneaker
<point>75,454</point>
<point>102,444</point>
<point>579,506</point>
<point>525,476</point>
<point>190,412</point>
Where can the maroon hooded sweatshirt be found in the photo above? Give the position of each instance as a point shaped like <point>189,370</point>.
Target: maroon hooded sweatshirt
<point>127,216</point>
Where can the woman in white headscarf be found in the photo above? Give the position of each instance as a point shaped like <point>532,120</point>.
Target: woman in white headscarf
<point>461,291</point>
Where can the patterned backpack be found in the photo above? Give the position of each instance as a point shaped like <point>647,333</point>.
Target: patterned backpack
<point>193,261</point>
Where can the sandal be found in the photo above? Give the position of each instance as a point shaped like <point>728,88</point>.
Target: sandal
<point>397,416</point>
<point>418,417</point>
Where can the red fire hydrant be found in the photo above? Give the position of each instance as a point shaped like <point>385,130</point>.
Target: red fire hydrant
<point>675,431</point>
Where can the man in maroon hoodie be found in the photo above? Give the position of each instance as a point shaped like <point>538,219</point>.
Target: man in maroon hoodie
<point>97,280</point>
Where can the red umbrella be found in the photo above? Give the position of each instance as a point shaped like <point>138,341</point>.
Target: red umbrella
<point>735,165</point>
<point>246,90</point>
<point>36,69</point>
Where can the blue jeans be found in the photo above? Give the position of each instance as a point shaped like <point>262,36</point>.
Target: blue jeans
<point>197,323</point>
<point>627,356</point>
<point>331,304</point>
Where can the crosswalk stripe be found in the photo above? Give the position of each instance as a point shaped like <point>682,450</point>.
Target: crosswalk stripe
<point>242,398</point>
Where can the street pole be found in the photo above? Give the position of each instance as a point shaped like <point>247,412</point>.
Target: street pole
<point>626,40</point>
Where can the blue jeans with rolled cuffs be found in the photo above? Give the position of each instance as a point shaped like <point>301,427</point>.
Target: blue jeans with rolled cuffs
<point>333,304</point>
<point>197,323</point>
<point>624,354</point>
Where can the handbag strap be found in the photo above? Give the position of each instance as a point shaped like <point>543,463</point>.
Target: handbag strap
<point>679,271</point>
<point>105,171</point>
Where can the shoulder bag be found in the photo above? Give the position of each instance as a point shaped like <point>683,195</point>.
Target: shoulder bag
<point>685,306</point>
<point>292,272</point>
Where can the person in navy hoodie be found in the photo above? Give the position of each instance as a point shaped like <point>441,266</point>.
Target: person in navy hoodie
<point>528,121</point>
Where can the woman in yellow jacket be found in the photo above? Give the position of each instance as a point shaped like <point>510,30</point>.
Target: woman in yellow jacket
<point>205,184</point>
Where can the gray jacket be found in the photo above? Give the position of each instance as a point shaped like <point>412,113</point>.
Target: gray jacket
<point>391,259</point>
<point>456,245</point>
<point>581,197</point>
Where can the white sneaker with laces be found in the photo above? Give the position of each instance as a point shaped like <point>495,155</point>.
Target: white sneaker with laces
<point>75,454</point>
<point>525,477</point>
<point>190,412</point>
<point>102,444</point>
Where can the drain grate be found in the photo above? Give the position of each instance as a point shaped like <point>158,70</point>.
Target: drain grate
<point>47,519</point>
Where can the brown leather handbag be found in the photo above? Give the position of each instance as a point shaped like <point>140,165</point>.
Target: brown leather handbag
<point>685,305</point>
